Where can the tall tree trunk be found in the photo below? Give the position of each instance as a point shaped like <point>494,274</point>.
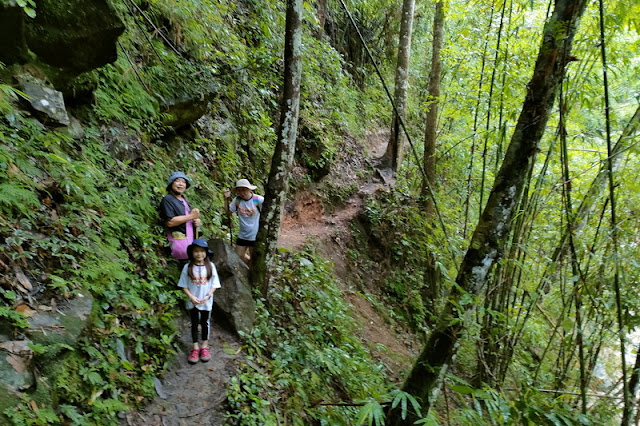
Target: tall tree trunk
<point>493,228</point>
<point>634,384</point>
<point>281,163</point>
<point>393,155</point>
<point>432,114</point>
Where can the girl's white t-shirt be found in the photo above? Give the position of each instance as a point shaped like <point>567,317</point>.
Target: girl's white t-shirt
<point>200,286</point>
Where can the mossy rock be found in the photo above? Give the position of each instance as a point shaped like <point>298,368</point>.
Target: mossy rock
<point>8,399</point>
<point>74,35</point>
<point>51,328</point>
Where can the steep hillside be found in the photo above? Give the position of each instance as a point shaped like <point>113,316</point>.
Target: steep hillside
<point>89,136</point>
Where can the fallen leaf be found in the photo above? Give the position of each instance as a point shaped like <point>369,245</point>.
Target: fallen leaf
<point>26,311</point>
<point>22,279</point>
<point>33,405</point>
<point>18,363</point>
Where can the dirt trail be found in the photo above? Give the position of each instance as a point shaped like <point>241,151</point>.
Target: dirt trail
<point>307,221</point>
<point>195,394</point>
<point>190,395</point>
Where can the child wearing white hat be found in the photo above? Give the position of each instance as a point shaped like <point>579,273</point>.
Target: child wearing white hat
<point>247,206</point>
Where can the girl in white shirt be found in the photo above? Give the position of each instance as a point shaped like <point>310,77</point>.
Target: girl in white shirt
<point>199,280</point>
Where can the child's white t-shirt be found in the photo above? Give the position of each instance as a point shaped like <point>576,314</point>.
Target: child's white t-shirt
<point>200,286</point>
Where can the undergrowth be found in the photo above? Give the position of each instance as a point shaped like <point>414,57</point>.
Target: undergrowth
<point>304,355</point>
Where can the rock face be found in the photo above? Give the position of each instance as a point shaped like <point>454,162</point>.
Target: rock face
<point>60,326</point>
<point>234,299</point>
<point>75,35</point>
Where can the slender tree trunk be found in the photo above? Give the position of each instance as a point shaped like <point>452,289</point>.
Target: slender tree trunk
<point>434,97</point>
<point>589,201</point>
<point>394,153</point>
<point>489,105</point>
<point>277,186</point>
<point>490,235</point>
<point>476,114</point>
<point>634,385</point>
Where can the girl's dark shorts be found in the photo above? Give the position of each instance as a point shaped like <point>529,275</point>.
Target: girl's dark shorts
<point>245,243</point>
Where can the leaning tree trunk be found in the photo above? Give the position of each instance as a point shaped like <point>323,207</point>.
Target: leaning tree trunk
<point>393,155</point>
<point>492,230</point>
<point>281,163</point>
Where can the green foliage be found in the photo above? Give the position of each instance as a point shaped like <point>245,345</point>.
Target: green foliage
<point>97,240</point>
<point>418,269</point>
<point>303,352</point>
<point>28,6</point>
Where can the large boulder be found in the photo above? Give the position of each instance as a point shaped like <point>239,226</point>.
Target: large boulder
<point>74,35</point>
<point>234,299</point>
<point>47,102</point>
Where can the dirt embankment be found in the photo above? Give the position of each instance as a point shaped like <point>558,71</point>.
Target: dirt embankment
<point>307,221</point>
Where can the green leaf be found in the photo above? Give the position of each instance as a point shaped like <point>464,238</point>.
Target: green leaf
<point>462,389</point>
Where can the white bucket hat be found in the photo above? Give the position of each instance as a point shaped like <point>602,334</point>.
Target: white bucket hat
<point>244,183</point>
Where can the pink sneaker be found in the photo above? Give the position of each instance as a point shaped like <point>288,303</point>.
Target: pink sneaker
<point>193,356</point>
<point>205,355</point>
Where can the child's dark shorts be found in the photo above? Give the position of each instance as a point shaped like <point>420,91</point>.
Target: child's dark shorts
<point>245,243</point>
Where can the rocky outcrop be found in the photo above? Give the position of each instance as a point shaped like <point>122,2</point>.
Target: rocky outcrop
<point>234,299</point>
<point>74,35</point>
<point>62,325</point>
<point>54,327</point>
<point>65,38</point>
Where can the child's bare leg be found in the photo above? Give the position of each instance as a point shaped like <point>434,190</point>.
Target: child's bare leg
<point>250,253</point>
<point>242,252</point>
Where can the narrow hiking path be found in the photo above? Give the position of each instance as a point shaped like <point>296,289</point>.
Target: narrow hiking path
<point>195,394</point>
<point>306,221</point>
<point>306,218</point>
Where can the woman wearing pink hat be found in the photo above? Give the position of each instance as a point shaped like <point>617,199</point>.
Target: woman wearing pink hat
<point>247,206</point>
